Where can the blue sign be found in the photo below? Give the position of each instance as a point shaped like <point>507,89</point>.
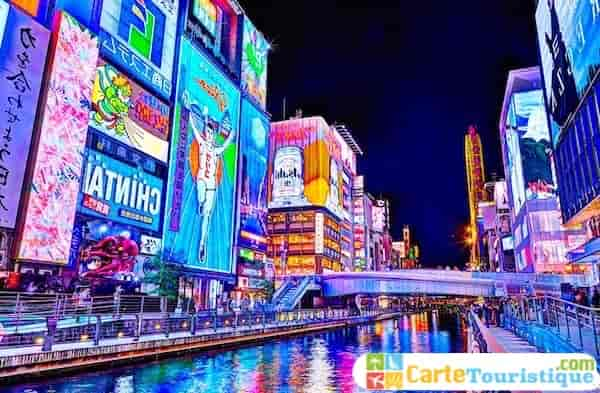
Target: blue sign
<point>121,193</point>
<point>254,144</point>
<point>140,36</point>
<point>569,39</point>
<point>202,176</point>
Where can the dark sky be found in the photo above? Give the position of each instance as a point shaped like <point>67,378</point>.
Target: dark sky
<point>407,77</point>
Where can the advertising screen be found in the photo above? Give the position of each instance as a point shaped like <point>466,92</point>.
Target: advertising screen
<point>29,6</point>
<point>116,191</point>
<point>528,142</point>
<point>254,144</point>
<point>213,24</point>
<point>140,36</point>
<point>128,113</point>
<point>23,49</point>
<point>568,33</point>
<point>305,165</point>
<point>378,213</point>
<point>255,53</point>
<point>107,251</point>
<point>52,200</point>
<point>200,202</point>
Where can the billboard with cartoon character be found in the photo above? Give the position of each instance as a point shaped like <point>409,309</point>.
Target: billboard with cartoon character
<point>202,174</point>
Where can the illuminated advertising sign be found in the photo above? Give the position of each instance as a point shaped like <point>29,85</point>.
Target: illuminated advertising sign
<point>305,168</point>
<point>23,49</point>
<point>501,195</point>
<point>94,247</point>
<point>254,143</point>
<point>214,25</point>
<point>128,113</point>
<point>255,53</point>
<point>528,142</point>
<point>29,6</point>
<point>120,193</point>
<point>52,200</point>
<point>319,233</point>
<point>568,32</point>
<point>140,36</point>
<point>378,216</point>
<point>150,245</point>
<point>202,175</point>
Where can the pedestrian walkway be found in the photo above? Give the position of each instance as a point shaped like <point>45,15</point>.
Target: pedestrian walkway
<point>510,341</point>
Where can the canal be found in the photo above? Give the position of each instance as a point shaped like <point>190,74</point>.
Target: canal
<point>308,364</point>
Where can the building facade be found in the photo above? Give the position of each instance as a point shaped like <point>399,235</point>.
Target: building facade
<point>541,242</point>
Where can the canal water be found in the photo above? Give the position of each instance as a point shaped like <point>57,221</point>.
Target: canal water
<point>316,363</point>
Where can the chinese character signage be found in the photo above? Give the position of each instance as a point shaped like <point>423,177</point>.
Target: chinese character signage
<point>202,175</point>
<point>23,49</point>
<point>255,52</point>
<point>128,113</point>
<point>140,36</point>
<point>52,199</point>
<point>120,193</point>
<point>254,143</point>
<point>568,35</point>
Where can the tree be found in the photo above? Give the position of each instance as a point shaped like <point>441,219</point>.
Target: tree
<point>269,288</point>
<point>163,275</point>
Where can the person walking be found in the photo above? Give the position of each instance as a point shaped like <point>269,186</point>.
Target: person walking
<point>596,298</point>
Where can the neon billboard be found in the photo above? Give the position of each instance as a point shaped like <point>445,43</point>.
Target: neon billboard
<point>305,165</point>
<point>528,142</point>
<point>52,200</point>
<point>200,201</point>
<point>255,53</point>
<point>254,143</point>
<point>140,36</point>
<point>213,24</point>
<point>23,49</point>
<point>123,110</point>
<point>568,33</point>
<point>121,193</point>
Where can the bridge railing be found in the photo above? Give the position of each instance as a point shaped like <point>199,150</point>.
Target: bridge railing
<point>578,325</point>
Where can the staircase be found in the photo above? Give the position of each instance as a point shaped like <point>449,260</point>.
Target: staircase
<point>291,292</point>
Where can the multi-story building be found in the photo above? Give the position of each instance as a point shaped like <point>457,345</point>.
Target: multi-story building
<point>569,42</point>
<point>361,224</point>
<point>475,179</point>
<point>309,196</point>
<point>540,241</point>
<point>174,140</point>
<point>497,253</point>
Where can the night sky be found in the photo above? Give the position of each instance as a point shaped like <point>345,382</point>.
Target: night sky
<point>407,77</point>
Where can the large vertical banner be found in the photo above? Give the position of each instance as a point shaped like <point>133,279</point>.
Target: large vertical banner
<point>202,174</point>
<point>254,143</point>
<point>23,49</point>
<point>255,53</point>
<point>52,199</point>
<point>140,36</point>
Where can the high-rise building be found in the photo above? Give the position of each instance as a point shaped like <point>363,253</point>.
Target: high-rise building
<point>475,180</point>
<point>569,43</point>
<point>540,241</point>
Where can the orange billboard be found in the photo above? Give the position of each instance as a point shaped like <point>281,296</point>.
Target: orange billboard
<point>29,6</point>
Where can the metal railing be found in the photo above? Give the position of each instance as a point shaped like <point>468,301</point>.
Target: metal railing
<point>44,320</point>
<point>578,325</point>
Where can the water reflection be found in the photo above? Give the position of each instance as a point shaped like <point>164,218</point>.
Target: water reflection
<point>315,363</point>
